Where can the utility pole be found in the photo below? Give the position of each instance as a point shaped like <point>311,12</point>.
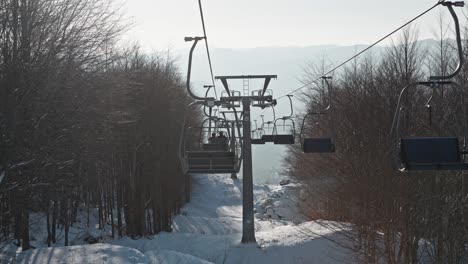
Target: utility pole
<point>248,225</point>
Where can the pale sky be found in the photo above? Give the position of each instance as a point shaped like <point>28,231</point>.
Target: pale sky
<point>163,24</point>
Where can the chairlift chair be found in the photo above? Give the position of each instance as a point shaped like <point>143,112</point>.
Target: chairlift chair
<point>285,136</point>
<point>269,128</point>
<point>318,144</point>
<point>427,153</point>
<point>212,157</point>
<point>432,153</point>
<point>256,138</point>
<point>215,156</point>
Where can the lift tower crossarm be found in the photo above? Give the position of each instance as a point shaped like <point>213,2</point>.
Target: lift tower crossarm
<point>228,77</point>
<point>243,77</point>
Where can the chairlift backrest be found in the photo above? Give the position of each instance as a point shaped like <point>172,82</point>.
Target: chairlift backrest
<point>284,139</point>
<point>430,150</point>
<point>268,138</point>
<point>318,145</point>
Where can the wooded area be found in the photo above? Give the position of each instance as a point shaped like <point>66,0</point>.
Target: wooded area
<point>85,123</point>
<point>399,217</point>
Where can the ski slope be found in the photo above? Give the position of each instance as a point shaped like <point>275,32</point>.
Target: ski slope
<point>209,230</point>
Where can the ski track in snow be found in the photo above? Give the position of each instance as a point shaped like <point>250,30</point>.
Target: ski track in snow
<point>209,230</point>
<point>97,253</point>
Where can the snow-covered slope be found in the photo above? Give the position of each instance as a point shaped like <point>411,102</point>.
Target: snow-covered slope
<point>97,253</point>
<point>209,230</point>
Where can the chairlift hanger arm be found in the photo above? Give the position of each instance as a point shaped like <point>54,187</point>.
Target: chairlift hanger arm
<point>206,96</point>
<point>189,71</point>
<point>208,88</point>
<point>436,80</point>
<point>326,79</point>
<point>274,112</point>
<point>450,6</point>
<point>291,109</point>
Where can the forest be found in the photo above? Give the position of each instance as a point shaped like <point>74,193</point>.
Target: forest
<point>393,212</point>
<point>80,122</point>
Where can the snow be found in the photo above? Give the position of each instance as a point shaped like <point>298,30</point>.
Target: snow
<point>209,230</point>
<point>171,257</point>
<point>97,253</point>
<point>210,227</point>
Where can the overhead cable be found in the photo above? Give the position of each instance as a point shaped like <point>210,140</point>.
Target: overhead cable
<point>207,48</point>
<point>363,51</point>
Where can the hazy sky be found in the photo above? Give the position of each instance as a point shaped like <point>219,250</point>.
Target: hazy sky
<point>162,24</point>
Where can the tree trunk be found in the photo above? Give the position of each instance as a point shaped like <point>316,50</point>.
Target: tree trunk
<point>67,219</point>
<point>49,234</point>
<point>119,210</point>
<point>25,234</point>
<point>54,222</point>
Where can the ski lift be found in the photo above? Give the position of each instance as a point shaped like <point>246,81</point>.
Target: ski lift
<point>270,127</point>
<point>217,154</point>
<point>213,155</point>
<point>318,144</point>
<point>257,135</point>
<point>432,153</point>
<point>285,136</point>
<point>428,153</point>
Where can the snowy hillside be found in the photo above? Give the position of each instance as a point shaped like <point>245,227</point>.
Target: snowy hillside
<point>208,230</point>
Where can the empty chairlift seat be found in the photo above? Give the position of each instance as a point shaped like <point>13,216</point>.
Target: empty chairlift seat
<point>431,153</point>
<point>258,141</point>
<point>268,138</point>
<point>279,139</point>
<point>211,162</point>
<point>318,145</point>
<point>283,139</point>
